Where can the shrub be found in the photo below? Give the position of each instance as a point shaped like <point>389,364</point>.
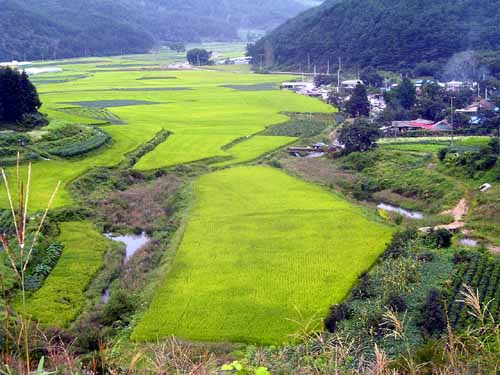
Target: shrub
<point>336,314</point>
<point>461,256</point>
<point>442,153</point>
<point>434,319</point>
<point>397,303</point>
<point>398,245</point>
<point>425,257</point>
<point>364,287</point>
<point>119,308</point>
<point>440,238</point>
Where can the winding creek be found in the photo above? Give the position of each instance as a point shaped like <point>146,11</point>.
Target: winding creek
<point>409,214</point>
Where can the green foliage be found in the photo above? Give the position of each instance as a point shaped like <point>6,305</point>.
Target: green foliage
<point>481,272</point>
<point>198,56</point>
<point>336,314</point>
<point>237,368</point>
<point>18,96</point>
<point>403,96</point>
<point>440,238</point>
<point>56,28</point>
<point>119,308</point>
<point>40,269</point>
<point>433,321</point>
<point>61,298</point>
<point>358,105</point>
<point>358,136</point>
<point>382,34</point>
<point>472,162</point>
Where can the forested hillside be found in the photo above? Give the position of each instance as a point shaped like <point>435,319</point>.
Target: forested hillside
<point>382,33</point>
<point>36,29</point>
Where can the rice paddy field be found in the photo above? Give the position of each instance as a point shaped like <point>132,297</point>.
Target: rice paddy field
<point>202,114</point>
<point>433,144</point>
<point>263,252</point>
<point>61,298</point>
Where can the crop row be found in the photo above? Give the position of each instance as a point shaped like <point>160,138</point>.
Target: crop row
<point>96,140</point>
<point>482,274</point>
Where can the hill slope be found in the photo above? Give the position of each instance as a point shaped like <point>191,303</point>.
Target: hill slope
<point>383,33</point>
<point>34,29</point>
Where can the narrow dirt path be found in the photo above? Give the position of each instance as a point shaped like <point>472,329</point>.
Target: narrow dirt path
<point>458,213</point>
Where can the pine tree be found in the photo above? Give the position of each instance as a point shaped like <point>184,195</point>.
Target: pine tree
<point>18,96</point>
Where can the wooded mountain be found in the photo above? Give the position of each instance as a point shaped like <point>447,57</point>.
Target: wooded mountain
<point>381,33</point>
<point>33,29</point>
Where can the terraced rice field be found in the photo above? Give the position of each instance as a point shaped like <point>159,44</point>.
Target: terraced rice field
<point>253,148</point>
<point>203,117</point>
<point>261,250</point>
<point>61,297</point>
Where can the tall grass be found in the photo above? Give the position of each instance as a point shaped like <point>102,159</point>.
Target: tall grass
<point>19,249</point>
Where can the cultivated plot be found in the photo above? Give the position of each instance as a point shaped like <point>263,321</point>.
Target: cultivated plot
<point>261,249</point>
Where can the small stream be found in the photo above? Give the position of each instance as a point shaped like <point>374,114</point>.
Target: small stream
<point>409,214</point>
<point>469,242</point>
<point>132,244</point>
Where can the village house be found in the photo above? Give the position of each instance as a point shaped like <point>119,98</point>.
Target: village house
<point>477,107</point>
<point>351,84</point>
<point>377,102</point>
<point>399,127</point>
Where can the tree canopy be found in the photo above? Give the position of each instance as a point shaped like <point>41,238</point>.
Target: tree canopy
<point>358,136</point>
<point>198,56</point>
<point>358,105</point>
<point>37,29</point>
<point>389,34</point>
<point>18,96</point>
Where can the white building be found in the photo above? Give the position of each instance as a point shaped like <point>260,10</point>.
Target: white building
<point>351,83</point>
<point>16,64</point>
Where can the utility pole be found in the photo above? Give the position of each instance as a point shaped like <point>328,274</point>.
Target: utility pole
<point>308,63</point>
<point>338,75</point>
<point>328,68</point>
<point>452,125</point>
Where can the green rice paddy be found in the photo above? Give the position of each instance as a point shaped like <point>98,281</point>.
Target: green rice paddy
<point>202,120</point>
<point>261,251</point>
<point>61,297</point>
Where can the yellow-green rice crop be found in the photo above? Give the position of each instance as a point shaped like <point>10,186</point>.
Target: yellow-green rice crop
<point>202,119</point>
<point>254,147</point>
<point>260,250</point>
<point>61,297</point>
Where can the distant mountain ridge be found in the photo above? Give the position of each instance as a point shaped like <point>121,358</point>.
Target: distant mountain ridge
<point>382,33</point>
<point>35,29</point>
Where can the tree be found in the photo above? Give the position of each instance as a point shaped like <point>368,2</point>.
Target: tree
<point>359,136</point>
<point>358,105</point>
<point>371,76</point>
<point>324,80</point>
<point>198,56</point>
<point>406,94</point>
<point>18,96</point>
